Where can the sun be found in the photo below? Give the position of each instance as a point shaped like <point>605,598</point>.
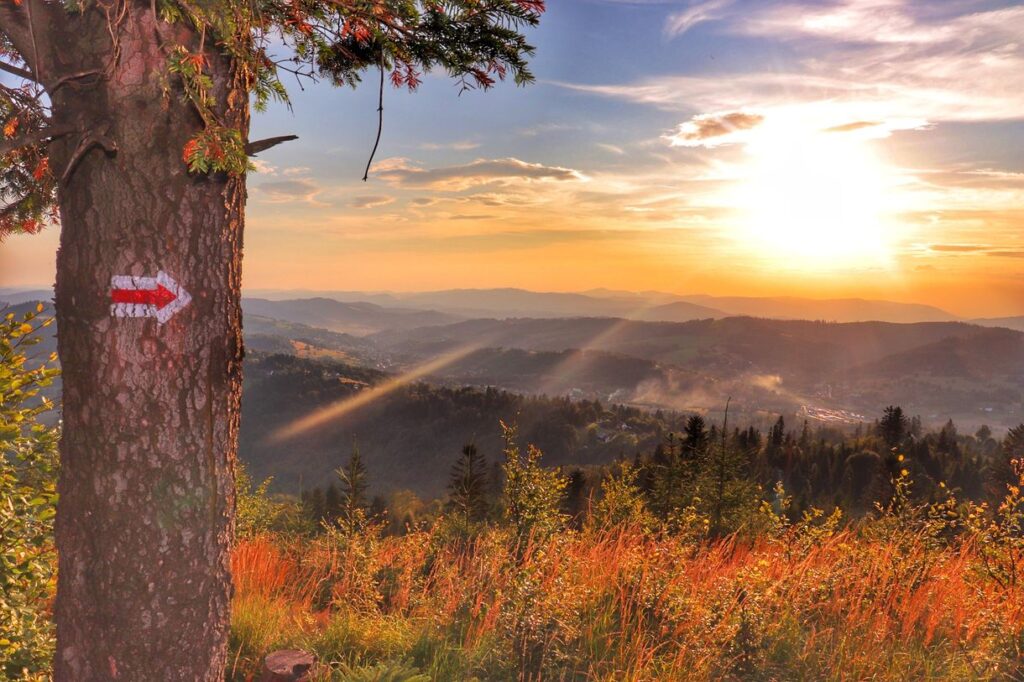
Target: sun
<point>810,199</point>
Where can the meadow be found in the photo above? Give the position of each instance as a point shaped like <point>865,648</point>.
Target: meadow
<point>928,594</point>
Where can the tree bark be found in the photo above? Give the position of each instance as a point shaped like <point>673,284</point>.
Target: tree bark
<point>150,410</point>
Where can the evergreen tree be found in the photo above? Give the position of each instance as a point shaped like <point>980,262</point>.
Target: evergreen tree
<point>576,497</point>
<point>332,509</point>
<point>352,510</point>
<point>468,486</point>
<point>805,437</point>
<point>983,433</point>
<point>314,506</point>
<point>695,437</point>
<point>1013,444</point>
<point>725,488</point>
<point>916,428</point>
<point>671,478</point>
<point>776,435</point>
<point>749,440</point>
<point>893,426</point>
<point>1013,449</point>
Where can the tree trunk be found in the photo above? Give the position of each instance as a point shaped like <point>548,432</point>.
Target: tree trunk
<point>150,409</point>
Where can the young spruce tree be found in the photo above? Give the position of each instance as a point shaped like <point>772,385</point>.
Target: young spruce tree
<point>468,486</point>
<point>353,494</point>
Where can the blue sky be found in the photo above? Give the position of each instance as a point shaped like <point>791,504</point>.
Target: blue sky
<point>850,147</point>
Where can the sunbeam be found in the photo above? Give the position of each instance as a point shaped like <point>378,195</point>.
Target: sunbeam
<point>340,408</point>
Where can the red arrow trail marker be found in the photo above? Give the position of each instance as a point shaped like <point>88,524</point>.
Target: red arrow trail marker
<point>160,297</point>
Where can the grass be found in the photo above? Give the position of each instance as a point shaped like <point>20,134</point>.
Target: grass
<point>623,604</point>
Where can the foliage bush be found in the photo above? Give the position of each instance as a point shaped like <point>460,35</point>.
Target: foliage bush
<point>533,494</point>
<point>28,498</point>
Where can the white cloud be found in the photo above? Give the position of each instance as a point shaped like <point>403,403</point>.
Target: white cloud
<point>284,191</point>
<point>263,168</point>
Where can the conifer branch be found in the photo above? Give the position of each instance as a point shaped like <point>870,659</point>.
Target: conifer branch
<point>34,137</point>
<point>19,72</point>
<point>254,148</point>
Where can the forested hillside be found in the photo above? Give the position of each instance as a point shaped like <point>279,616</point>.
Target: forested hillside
<point>408,437</point>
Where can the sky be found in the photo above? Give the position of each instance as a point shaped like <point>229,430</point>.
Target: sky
<point>850,148</point>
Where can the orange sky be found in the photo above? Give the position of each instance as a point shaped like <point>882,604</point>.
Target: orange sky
<point>856,148</point>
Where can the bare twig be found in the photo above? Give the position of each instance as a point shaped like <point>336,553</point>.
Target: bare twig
<point>89,140</point>
<point>380,122</point>
<point>71,77</point>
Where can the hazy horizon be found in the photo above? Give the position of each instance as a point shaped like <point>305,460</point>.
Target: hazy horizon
<point>596,292</point>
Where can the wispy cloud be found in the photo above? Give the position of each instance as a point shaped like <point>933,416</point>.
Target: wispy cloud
<point>680,22</point>
<point>975,249</point>
<point>473,174</point>
<point>874,60</point>
<point>612,148</point>
<point>459,146</point>
<point>370,201</point>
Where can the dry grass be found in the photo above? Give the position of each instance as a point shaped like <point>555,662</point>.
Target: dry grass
<point>625,605</point>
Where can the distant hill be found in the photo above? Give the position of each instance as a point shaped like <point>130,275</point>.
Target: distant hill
<point>358,319</point>
<point>476,303</point>
<point>522,303</point>
<point>736,343</point>
<point>985,354</point>
<point>679,311</point>
<point>261,334</point>
<point>833,310</point>
<point>590,374</point>
<point>18,296</point>
<point>645,305</point>
<point>268,335</point>
<point>1016,323</point>
<point>936,369</point>
<point>762,364</point>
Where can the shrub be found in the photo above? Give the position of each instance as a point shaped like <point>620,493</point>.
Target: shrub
<point>28,498</point>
